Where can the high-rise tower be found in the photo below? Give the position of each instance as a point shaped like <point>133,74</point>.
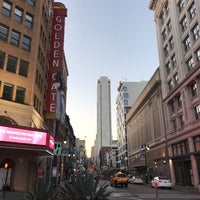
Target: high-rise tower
<point>104,134</point>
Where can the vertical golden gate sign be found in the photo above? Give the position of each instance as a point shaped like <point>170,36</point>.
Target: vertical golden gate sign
<point>56,59</point>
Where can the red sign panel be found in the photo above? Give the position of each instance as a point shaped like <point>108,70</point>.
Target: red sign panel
<point>51,142</point>
<point>56,58</point>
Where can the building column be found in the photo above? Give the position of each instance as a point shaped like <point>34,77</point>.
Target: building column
<point>194,174</point>
<point>171,166</point>
<point>172,172</point>
<point>194,171</point>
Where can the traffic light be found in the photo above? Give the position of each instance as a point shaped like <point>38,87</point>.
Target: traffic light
<point>57,148</point>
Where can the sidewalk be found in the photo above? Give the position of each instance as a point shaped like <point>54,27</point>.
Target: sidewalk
<point>187,189</point>
<point>13,195</point>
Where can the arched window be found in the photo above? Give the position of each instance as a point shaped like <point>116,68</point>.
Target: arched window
<point>6,120</point>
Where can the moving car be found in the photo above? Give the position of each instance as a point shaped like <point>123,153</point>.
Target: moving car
<point>119,178</point>
<point>161,182</point>
<point>136,180</point>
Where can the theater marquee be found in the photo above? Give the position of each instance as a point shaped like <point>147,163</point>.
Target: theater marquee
<point>26,136</point>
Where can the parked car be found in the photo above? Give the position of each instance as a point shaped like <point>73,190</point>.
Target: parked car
<point>119,178</point>
<point>161,182</point>
<point>136,180</point>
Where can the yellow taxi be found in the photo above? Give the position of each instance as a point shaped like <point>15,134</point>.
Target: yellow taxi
<point>119,178</point>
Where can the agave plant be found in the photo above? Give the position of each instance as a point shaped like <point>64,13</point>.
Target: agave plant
<point>41,192</point>
<point>88,188</point>
<point>82,187</point>
<point>65,191</point>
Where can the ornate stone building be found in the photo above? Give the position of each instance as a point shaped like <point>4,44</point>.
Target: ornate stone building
<point>32,108</point>
<point>147,153</point>
<point>177,26</point>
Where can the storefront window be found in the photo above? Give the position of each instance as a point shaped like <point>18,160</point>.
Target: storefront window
<point>197,143</point>
<point>180,148</point>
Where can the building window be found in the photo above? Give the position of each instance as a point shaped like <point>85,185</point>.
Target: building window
<point>173,59</point>
<point>3,32</point>
<point>125,102</point>
<point>179,101</point>
<point>125,89</point>
<point>125,95</point>
<point>181,5</point>
<point>26,43</point>
<point>31,2</point>
<point>185,147</point>
<point>169,26</point>
<point>181,122</point>
<point>11,64</point>
<point>15,38</point>
<point>190,63</point>
<point>35,101</point>
<point>37,77</point>
<point>20,95</point>
<point>164,34</point>
<point>2,59</point>
<point>187,43</point>
<point>176,80</point>
<point>6,8</point>
<point>193,88</point>
<point>168,67</point>
<point>170,84</point>
<point>197,143</point>
<point>7,92</point>
<point>171,43</point>
<point>196,32</point>
<point>38,80</point>
<point>37,104</point>
<point>174,150</point>
<point>166,50</point>
<point>174,124</point>
<point>29,20</point>
<point>197,111</point>
<point>167,9</point>
<point>23,68</point>
<point>180,148</point>
<point>184,23</point>
<point>192,11</point>
<point>198,54</point>
<point>171,106</point>
<point>18,14</point>
<point>162,18</point>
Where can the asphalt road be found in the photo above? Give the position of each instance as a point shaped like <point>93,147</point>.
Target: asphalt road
<point>134,192</point>
<point>145,192</point>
